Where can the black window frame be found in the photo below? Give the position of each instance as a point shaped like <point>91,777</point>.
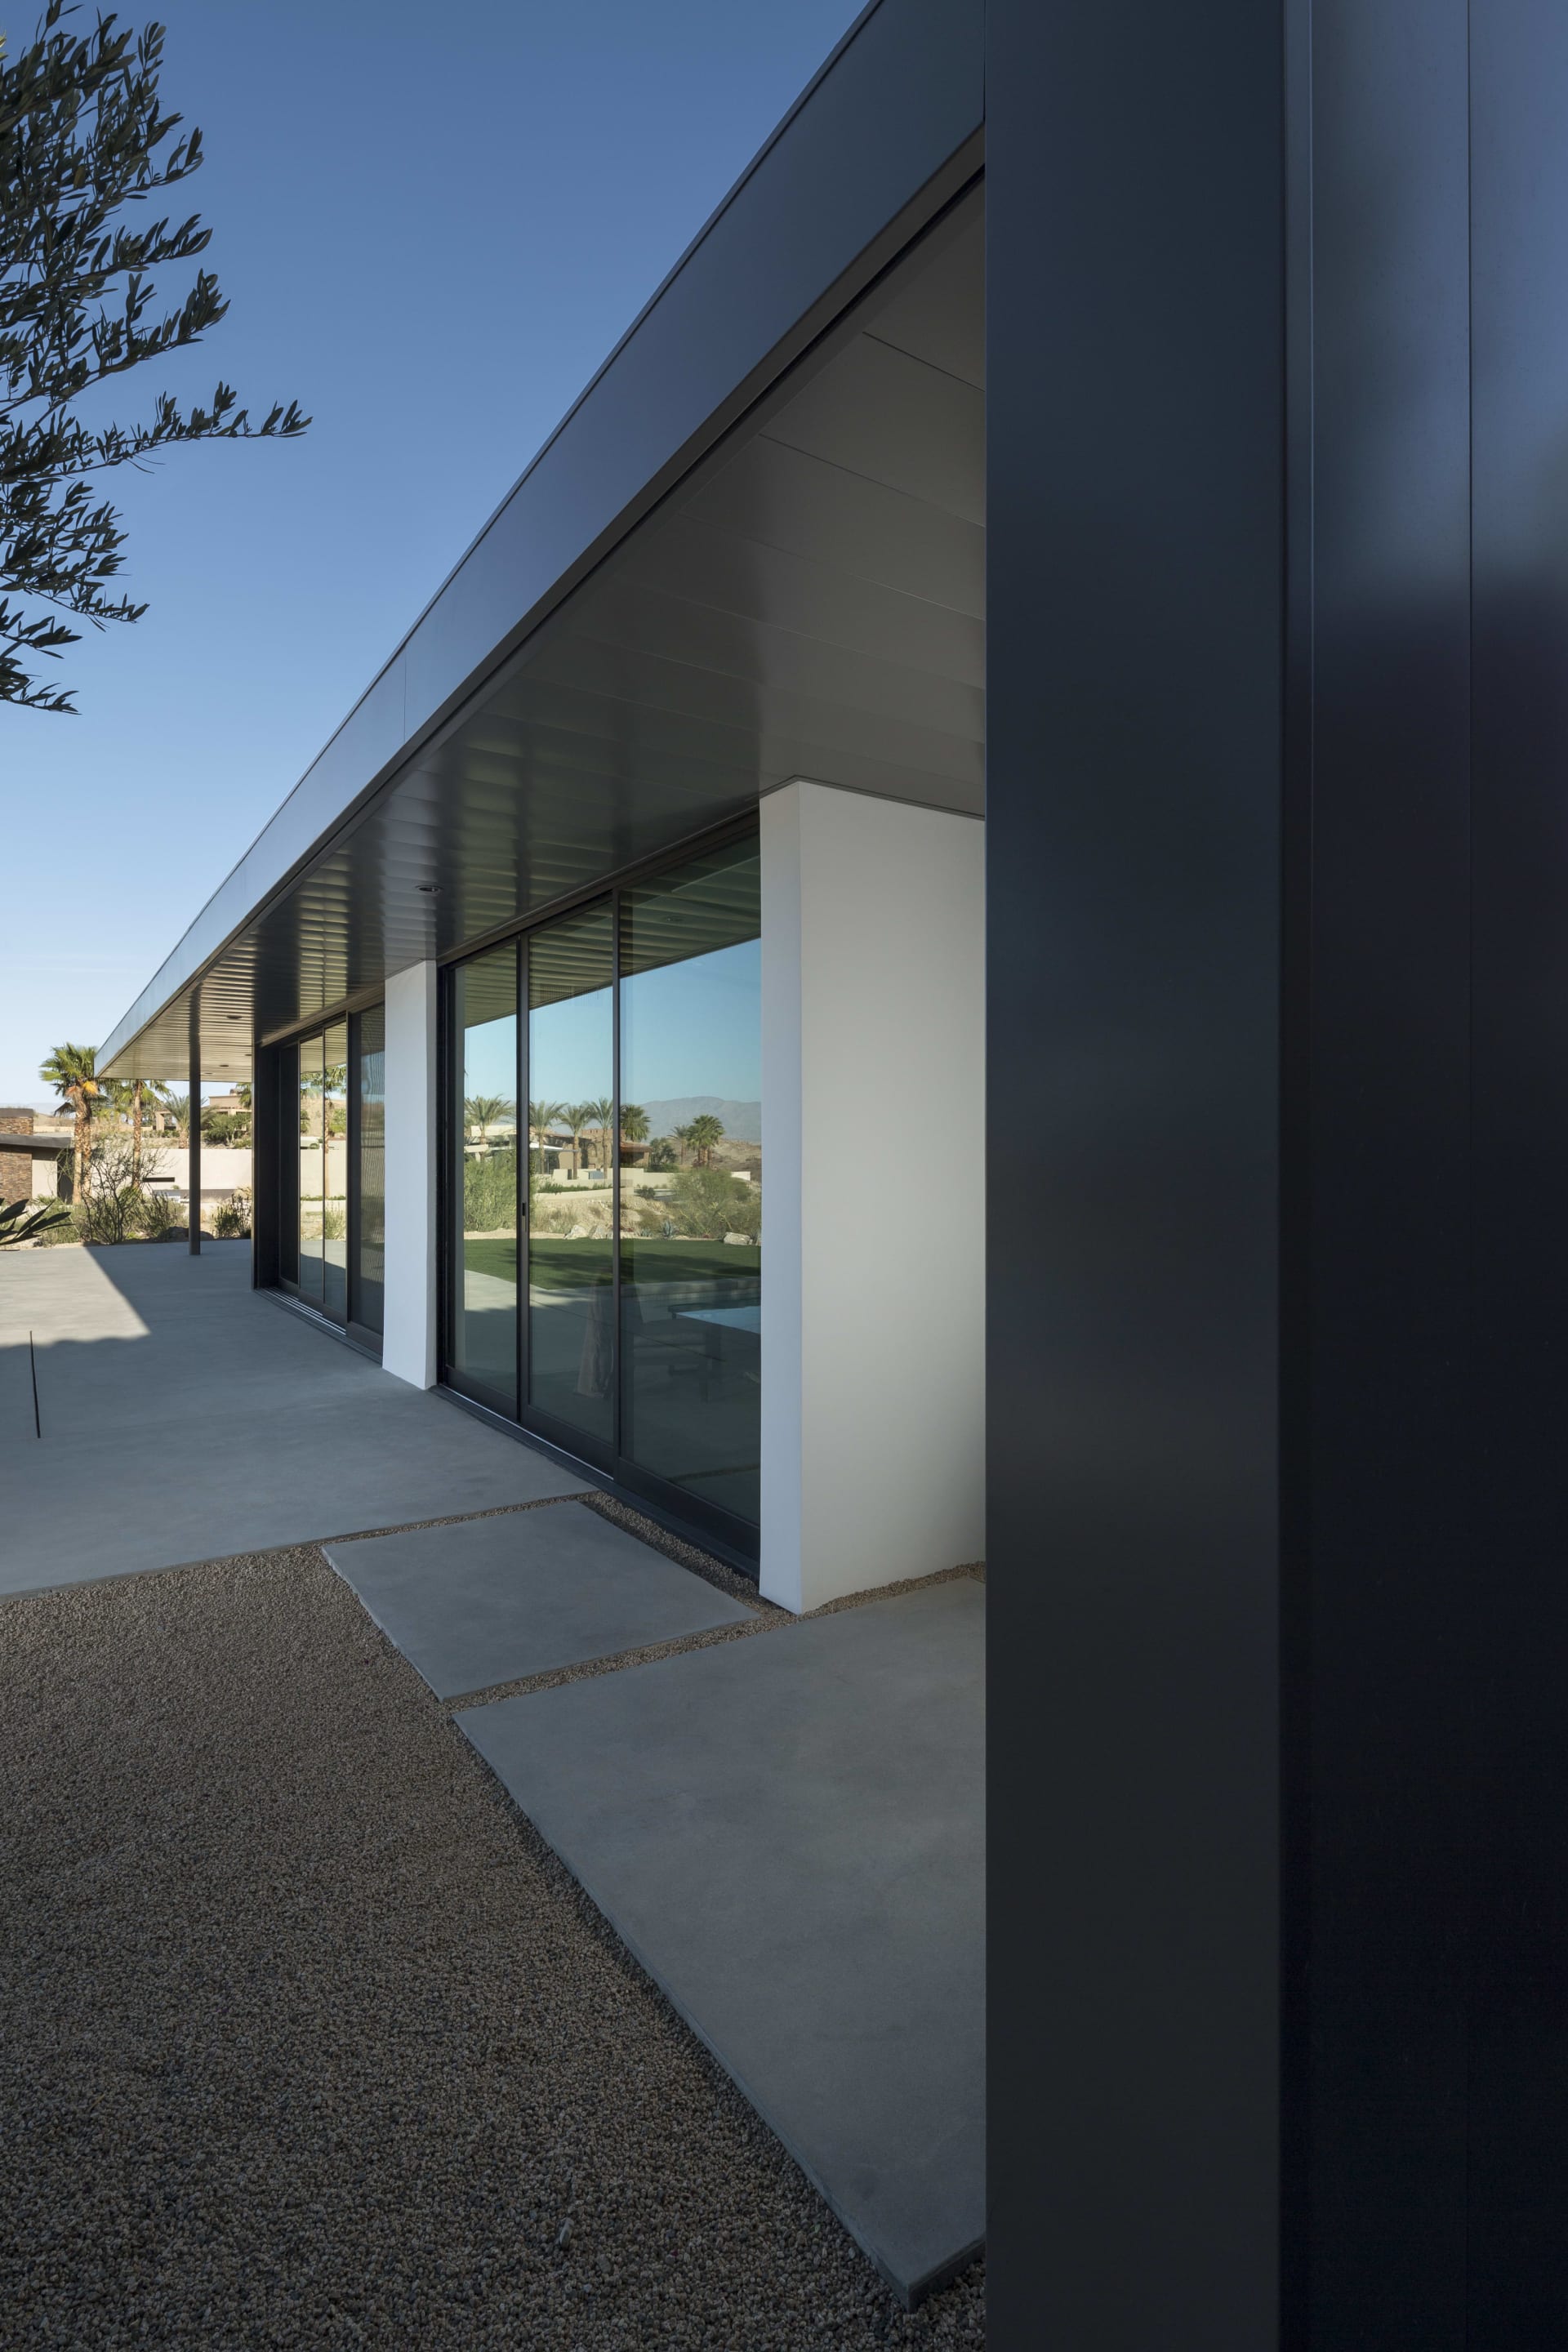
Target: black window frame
<point>737,1536</point>
<point>284,1056</point>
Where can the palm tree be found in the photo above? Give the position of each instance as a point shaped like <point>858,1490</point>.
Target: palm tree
<point>130,1094</point>
<point>71,1071</point>
<point>682,1138</point>
<point>603,1115</point>
<point>485,1111</point>
<point>541,1117</point>
<point>179,1109</point>
<point>703,1133</point>
<point>577,1115</point>
<point>634,1123</point>
<point>156,1092</point>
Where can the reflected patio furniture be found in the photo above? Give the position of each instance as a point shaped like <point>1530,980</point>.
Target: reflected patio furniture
<point>727,1335</point>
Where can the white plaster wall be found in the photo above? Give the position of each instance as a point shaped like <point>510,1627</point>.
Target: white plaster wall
<point>873,1290</point>
<point>226,1167</point>
<point>408,1338</point>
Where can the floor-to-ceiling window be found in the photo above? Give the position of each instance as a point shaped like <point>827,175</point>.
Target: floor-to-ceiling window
<point>482,1208</point>
<point>335,1170</point>
<point>311,1146</point>
<point>692,1181</point>
<point>370,1240</point>
<point>570,1348</point>
<point>331,1243</point>
<point>635,1338</point>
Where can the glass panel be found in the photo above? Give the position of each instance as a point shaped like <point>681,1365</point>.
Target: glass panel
<point>288,1164</point>
<point>371,1248</point>
<point>335,1179</point>
<point>484,1189</point>
<point>312,1165</point>
<point>691,1181</point>
<point>570,1118</point>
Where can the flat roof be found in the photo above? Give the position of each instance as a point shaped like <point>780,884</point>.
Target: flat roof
<point>879,145</point>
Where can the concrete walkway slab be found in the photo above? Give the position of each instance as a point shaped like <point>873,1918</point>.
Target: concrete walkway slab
<point>205,1421</point>
<point>492,1600</point>
<point>788,1832</point>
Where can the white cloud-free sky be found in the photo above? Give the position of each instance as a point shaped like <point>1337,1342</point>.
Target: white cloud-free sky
<point>432,226</point>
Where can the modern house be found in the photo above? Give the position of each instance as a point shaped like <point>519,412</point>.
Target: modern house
<point>1049,625</point>
<point>30,1153</point>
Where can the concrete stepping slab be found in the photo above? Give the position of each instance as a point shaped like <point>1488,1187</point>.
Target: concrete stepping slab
<point>491,1601</point>
<point>788,1833</point>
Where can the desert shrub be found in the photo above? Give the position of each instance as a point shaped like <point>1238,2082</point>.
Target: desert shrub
<point>231,1218</point>
<point>706,1203</point>
<point>58,1236</point>
<point>334,1222</point>
<point>109,1208</point>
<point>490,1192</point>
<point>158,1214</point>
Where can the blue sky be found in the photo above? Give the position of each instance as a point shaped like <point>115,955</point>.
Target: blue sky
<point>432,228</point>
<point>686,1029</point>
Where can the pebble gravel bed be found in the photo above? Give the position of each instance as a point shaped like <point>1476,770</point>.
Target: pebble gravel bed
<point>309,2041</point>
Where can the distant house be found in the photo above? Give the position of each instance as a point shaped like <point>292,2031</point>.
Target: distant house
<point>30,1153</point>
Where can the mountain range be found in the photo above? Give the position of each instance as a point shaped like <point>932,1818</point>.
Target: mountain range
<point>742,1121</point>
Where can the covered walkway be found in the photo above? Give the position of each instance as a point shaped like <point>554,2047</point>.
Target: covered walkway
<point>182,1416</point>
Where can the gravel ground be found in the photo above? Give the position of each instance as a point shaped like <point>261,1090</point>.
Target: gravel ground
<point>309,2041</point>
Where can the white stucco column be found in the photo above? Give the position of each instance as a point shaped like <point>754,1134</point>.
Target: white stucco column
<point>409,1341</point>
<point>873,1154</point>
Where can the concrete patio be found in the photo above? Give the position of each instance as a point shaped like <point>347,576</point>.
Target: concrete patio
<point>782,1819</point>
<point>213,1421</point>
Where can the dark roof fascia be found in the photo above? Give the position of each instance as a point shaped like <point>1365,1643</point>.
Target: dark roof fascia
<point>881,139</point>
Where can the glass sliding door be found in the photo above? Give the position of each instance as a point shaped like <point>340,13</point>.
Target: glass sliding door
<point>312,1130</point>
<point>331,1194</point>
<point>335,1171</point>
<point>483,1131</point>
<point>287,1166</point>
<point>615,1053</point>
<point>692,1177</point>
<point>370,1243</point>
<point>571,1172</point>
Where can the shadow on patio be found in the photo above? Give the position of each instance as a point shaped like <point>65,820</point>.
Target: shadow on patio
<point>208,1422</point>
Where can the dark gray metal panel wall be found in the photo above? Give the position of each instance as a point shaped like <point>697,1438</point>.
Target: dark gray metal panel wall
<point>1376,1269</point>
<point>1134,196</point>
<point>1419,761</point>
<point>1379,1038</point>
<point>1517,2222</point>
